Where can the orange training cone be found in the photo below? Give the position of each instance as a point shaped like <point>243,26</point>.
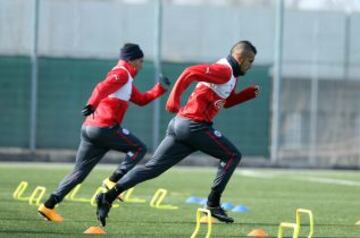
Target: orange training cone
<point>204,220</point>
<point>258,233</point>
<point>358,223</point>
<point>95,230</point>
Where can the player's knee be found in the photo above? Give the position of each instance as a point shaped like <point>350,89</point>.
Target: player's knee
<point>139,152</point>
<point>153,169</point>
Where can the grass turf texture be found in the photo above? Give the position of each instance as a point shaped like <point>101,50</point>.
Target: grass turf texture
<point>271,195</point>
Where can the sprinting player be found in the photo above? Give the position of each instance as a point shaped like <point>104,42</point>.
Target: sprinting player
<point>192,128</point>
<point>102,130</point>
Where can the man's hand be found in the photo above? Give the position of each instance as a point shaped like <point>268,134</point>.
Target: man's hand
<point>87,110</point>
<point>164,81</point>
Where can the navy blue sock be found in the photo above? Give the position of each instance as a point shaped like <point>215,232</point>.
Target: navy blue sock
<point>52,201</point>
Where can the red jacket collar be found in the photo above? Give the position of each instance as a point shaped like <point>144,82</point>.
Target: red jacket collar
<point>132,70</point>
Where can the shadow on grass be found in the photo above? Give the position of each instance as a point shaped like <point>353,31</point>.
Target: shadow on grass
<point>172,222</point>
<point>36,232</point>
<point>149,234</point>
<point>14,232</point>
<point>153,235</point>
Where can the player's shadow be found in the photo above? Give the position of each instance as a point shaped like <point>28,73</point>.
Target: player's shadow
<point>14,232</point>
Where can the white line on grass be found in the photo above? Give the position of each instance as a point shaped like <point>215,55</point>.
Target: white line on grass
<point>254,174</point>
<point>262,175</point>
<point>329,181</point>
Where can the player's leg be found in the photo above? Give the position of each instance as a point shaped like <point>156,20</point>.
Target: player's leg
<point>123,140</point>
<point>88,155</point>
<point>203,137</point>
<point>212,142</point>
<point>169,152</point>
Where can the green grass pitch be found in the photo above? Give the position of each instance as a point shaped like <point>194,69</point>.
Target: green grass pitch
<point>271,196</point>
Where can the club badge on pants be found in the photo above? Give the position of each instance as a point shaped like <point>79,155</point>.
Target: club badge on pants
<point>217,133</point>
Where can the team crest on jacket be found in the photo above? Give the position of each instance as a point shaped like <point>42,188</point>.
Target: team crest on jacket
<point>217,133</point>
<point>219,103</point>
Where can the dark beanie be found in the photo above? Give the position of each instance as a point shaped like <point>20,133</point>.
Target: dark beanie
<point>131,51</point>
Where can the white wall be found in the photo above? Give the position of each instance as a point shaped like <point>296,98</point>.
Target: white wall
<point>15,26</point>
<point>98,28</point>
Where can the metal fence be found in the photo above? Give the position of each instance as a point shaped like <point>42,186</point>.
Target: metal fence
<point>312,117</point>
<point>319,89</point>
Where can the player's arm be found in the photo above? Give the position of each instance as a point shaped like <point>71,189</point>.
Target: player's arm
<point>214,73</point>
<point>242,96</point>
<point>142,99</point>
<point>113,82</point>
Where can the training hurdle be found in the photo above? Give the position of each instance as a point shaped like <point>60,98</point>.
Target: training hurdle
<point>158,197</point>
<point>72,196</point>
<point>284,225</point>
<point>128,198</point>
<point>34,198</point>
<point>199,212</point>
<point>297,226</point>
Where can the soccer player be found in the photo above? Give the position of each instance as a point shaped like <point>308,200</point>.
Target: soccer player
<point>192,128</point>
<point>102,131</point>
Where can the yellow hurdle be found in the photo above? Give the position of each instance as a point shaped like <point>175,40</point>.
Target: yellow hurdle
<point>158,197</point>
<point>300,211</point>
<point>20,190</point>
<point>72,195</point>
<point>284,225</point>
<point>37,195</point>
<point>34,198</point>
<point>297,226</point>
<point>93,198</point>
<point>128,198</point>
<point>198,218</point>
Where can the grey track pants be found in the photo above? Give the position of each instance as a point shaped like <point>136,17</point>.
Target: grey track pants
<point>94,143</point>
<point>184,137</point>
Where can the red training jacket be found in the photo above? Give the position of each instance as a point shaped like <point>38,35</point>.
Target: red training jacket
<point>215,89</point>
<point>111,97</point>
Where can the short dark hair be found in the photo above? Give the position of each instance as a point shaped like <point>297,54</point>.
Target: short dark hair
<point>244,44</point>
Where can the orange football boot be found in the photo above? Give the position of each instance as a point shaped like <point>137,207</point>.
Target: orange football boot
<point>50,214</point>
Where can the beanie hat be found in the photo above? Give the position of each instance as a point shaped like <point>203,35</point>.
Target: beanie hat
<point>131,51</point>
